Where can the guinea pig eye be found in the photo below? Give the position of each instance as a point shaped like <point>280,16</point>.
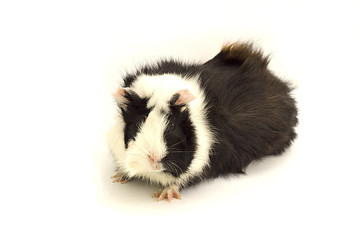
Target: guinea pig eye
<point>172,126</point>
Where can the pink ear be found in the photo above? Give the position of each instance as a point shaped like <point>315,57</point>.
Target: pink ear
<point>185,97</point>
<point>119,95</point>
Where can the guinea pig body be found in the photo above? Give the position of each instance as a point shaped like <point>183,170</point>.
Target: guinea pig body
<point>182,123</point>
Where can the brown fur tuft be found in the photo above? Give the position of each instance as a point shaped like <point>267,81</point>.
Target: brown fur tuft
<point>242,51</point>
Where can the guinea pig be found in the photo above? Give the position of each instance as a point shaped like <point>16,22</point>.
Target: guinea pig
<point>179,123</point>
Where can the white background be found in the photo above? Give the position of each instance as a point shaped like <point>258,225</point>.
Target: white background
<point>61,60</point>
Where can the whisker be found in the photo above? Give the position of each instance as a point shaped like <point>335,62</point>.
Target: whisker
<point>171,168</point>
<point>174,167</point>
<point>181,151</point>
<point>177,143</point>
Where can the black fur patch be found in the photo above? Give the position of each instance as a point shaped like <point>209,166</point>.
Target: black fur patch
<point>134,113</point>
<point>166,66</point>
<point>251,110</point>
<point>180,140</point>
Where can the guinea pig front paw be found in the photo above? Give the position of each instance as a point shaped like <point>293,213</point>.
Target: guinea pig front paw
<point>119,178</point>
<point>168,192</point>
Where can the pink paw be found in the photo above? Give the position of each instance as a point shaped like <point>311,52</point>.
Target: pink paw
<point>169,193</point>
<point>119,178</point>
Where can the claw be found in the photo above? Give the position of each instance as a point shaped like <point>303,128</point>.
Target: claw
<point>157,194</point>
<point>177,195</point>
<point>123,181</point>
<point>169,196</point>
<point>116,175</point>
<point>117,180</point>
<point>162,196</point>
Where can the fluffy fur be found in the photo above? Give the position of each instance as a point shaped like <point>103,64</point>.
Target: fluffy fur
<point>181,123</point>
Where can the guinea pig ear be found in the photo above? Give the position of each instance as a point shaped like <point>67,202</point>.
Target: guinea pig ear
<point>121,95</point>
<point>182,97</point>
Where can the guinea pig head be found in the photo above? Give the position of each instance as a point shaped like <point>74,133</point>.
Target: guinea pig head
<point>158,134</point>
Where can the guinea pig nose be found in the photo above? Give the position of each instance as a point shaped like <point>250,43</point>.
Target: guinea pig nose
<point>154,162</point>
<point>152,158</point>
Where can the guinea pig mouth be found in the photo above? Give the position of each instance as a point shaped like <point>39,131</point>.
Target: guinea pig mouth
<point>154,161</point>
<point>156,166</point>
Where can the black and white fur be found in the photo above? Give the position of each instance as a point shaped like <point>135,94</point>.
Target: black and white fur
<point>182,123</point>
